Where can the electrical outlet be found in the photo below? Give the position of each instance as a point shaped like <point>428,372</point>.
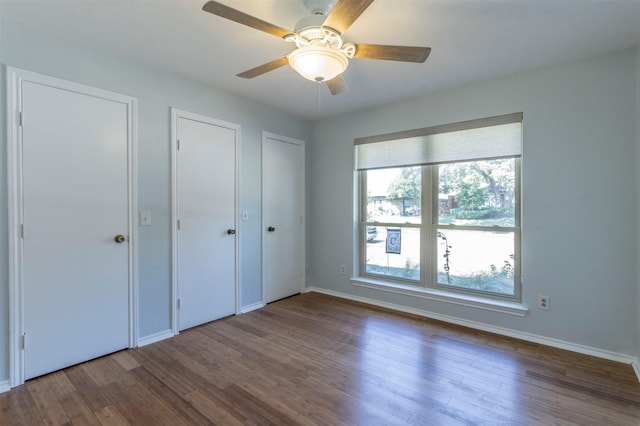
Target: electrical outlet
<point>544,303</point>
<point>343,270</point>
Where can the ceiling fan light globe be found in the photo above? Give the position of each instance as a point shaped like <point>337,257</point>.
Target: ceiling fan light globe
<point>318,63</point>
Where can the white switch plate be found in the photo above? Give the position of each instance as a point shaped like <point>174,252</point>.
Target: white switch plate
<point>145,217</point>
<point>245,214</point>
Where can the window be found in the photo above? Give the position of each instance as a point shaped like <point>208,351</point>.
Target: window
<point>440,207</point>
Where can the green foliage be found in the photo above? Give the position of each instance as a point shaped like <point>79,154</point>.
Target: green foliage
<point>411,269</point>
<point>484,213</point>
<point>407,185</point>
<point>491,280</point>
<point>495,280</point>
<point>470,195</point>
<point>479,184</point>
<point>506,270</point>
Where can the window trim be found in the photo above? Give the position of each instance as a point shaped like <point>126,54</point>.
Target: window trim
<point>427,286</point>
<point>484,303</point>
<point>428,252</point>
<point>516,230</point>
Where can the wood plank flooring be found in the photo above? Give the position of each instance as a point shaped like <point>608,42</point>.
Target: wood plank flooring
<point>318,360</point>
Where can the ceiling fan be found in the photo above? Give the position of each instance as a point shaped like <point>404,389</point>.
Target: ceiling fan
<point>321,55</point>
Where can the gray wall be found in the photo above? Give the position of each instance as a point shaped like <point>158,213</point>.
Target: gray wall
<point>580,183</point>
<point>637,180</point>
<point>156,91</point>
<point>579,196</point>
<point>4,240</point>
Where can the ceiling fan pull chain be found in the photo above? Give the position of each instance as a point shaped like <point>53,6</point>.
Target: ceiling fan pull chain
<point>319,106</point>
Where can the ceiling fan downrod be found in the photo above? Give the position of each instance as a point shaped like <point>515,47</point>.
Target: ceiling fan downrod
<point>319,7</point>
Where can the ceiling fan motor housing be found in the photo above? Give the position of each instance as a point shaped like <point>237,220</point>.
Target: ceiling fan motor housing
<point>319,7</point>
<point>310,31</point>
<point>310,26</point>
<point>321,54</point>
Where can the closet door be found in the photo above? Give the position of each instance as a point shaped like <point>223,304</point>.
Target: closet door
<point>76,223</point>
<point>283,216</point>
<point>206,219</point>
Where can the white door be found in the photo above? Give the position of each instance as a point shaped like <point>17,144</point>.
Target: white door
<point>283,216</point>
<point>75,202</point>
<point>206,219</point>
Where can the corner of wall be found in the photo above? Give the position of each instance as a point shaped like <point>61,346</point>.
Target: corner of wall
<point>4,274</point>
<point>636,368</point>
<point>637,184</point>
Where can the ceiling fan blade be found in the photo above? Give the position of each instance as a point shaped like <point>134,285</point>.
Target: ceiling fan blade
<point>337,85</point>
<point>244,19</point>
<point>344,14</point>
<point>264,68</point>
<point>392,53</point>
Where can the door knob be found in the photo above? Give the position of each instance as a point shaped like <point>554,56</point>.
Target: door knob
<point>231,231</point>
<point>120,239</point>
<point>271,229</point>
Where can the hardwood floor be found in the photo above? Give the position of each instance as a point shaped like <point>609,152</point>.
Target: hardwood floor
<point>315,359</point>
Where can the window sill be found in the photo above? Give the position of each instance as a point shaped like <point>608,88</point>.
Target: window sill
<point>511,308</point>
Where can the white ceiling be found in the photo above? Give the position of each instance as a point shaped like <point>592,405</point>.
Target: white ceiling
<point>471,40</point>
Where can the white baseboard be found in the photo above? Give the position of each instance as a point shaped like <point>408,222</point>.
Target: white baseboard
<point>5,386</point>
<point>252,307</point>
<point>529,337</point>
<point>634,364</point>
<point>153,338</point>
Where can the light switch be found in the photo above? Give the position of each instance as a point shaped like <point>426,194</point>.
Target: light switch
<point>145,217</point>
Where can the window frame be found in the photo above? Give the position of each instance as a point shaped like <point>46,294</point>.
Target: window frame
<point>515,229</point>
<point>429,225</point>
<point>362,233</point>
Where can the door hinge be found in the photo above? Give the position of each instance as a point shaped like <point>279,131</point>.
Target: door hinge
<point>179,224</point>
<point>178,304</point>
<point>20,119</point>
<point>22,231</point>
<point>178,144</point>
<point>23,341</point>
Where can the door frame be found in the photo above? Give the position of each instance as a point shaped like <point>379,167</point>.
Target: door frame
<point>301,144</point>
<point>177,114</point>
<point>15,78</point>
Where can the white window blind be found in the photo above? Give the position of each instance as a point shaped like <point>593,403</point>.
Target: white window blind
<point>492,137</point>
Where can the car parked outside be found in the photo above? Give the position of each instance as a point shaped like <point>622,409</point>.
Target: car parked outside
<point>372,233</point>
